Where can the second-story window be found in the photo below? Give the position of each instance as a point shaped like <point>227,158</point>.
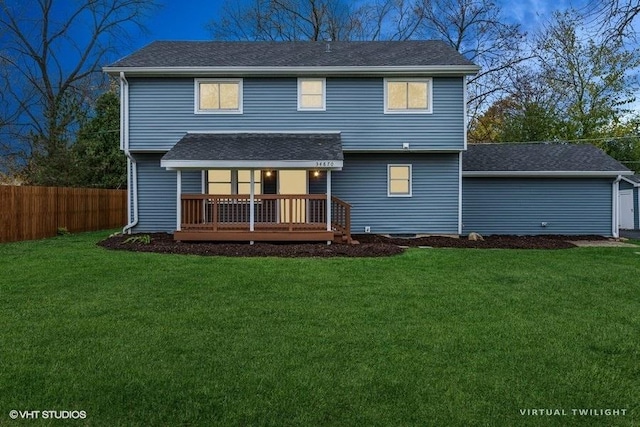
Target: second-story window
<point>218,96</point>
<point>311,94</point>
<point>407,96</point>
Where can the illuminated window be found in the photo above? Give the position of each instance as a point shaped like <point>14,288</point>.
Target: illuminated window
<point>244,182</point>
<point>311,94</point>
<point>219,182</point>
<point>222,182</point>
<point>218,96</point>
<point>407,96</point>
<point>399,180</point>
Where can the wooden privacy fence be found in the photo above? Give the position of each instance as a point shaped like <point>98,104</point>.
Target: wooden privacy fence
<point>28,213</point>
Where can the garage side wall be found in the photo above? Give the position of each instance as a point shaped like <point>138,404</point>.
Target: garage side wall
<point>521,205</point>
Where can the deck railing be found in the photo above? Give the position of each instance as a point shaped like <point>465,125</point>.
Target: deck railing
<point>341,217</point>
<point>300,212</point>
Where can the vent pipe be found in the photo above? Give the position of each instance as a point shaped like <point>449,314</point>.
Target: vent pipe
<point>328,46</point>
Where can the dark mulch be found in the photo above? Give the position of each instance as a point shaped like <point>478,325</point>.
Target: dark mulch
<point>489,242</point>
<point>164,243</point>
<point>371,245</point>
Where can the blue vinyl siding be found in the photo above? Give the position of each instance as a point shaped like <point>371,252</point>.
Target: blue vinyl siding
<point>432,209</point>
<point>162,111</point>
<point>362,183</point>
<point>157,193</point>
<point>520,205</point>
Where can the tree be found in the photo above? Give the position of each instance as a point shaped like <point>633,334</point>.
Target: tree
<point>288,20</point>
<point>476,29</point>
<point>98,161</point>
<point>515,119</point>
<point>623,142</point>
<point>52,51</point>
<point>586,78</point>
<point>616,16</point>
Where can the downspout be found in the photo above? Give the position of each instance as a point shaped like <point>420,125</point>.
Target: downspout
<point>132,167</point>
<point>614,207</point>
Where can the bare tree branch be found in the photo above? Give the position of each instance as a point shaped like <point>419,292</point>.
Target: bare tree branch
<point>51,51</point>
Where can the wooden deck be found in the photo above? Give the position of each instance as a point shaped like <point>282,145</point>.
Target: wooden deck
<point>206,217</point>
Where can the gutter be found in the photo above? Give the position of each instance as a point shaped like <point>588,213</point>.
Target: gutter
<point>541,174</point>
<point>132,167</point>
<point>614,207</point>
<point>451,70</point>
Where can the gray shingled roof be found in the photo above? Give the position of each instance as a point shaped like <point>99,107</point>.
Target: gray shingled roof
<point>547,157</point>
<point>634,178</point>
<point>257,146</point>
<point>293,54</point>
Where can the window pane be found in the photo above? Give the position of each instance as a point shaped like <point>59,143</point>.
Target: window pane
<point>220,188</point>
<point>396,95</point>
<point>311,87</point>
<point>229,96</point>
<point>311,101</point>
<point>219,176</point>
<point>399,187</point>
<point>243,188</point>
<point>399,172</point>
<point>244,175</point>
<point>417,95</point>
<point>209,96</point>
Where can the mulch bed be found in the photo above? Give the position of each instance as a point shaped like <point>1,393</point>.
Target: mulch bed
<point>164,243</point>
<point>489,242</point>
<point>371,245</point>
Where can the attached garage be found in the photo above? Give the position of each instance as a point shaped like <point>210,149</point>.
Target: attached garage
<point>530,189</point>
<point>629,203</point>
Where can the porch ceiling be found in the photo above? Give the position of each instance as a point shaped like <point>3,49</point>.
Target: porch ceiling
<point>256,151</point>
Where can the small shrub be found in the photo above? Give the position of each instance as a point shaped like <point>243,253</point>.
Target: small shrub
<point>62,231</point>
<point>145,239</point>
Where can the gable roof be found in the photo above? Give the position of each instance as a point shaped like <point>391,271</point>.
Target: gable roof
<point>539,159</point>
<point>633,180</point>
<point>256,150</point>
<point>357,56</point>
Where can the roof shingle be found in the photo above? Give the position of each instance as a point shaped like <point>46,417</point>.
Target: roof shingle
<point>293,54</point>
<point>257,146</point>
<point>538,157</point>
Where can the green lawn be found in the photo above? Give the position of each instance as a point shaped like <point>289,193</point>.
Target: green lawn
<point>447,337</point>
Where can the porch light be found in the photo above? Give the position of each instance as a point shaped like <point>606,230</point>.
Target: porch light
<point>316,174</point>
<point>267,174</point>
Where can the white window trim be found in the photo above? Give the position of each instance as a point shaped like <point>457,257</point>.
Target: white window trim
<point>427,80</point>
<point>389,166</point>
<point>196,89</point>
<point>324,93</point>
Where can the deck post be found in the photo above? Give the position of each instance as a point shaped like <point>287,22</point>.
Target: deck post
<point>178,200</point>
<point>328,202</point>
<point>251,201</point>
